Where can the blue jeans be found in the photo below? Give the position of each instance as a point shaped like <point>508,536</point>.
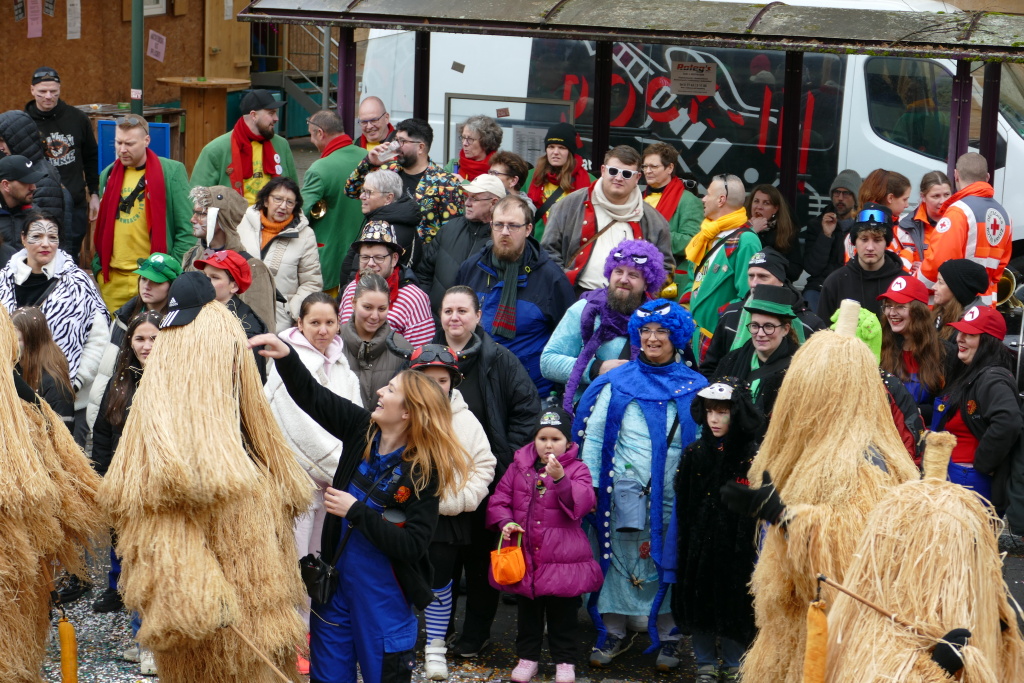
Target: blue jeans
<point>705,654</point>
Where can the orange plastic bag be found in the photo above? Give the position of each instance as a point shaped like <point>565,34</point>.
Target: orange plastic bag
<point>508,565</point>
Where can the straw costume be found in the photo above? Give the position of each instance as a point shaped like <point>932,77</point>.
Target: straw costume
<point>830,454</point>
<point>929,553</point>
<point>203,491</point>
<point>48,515</point>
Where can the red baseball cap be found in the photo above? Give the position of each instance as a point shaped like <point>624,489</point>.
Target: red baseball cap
<point>904,289</point>
<point>982,320</point>
<point>231,261</point>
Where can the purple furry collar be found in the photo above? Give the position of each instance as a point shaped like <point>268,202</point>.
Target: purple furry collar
<point>613,324</point>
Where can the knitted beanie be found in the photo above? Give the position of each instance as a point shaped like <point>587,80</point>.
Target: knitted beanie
<point>563,134</point>
<point>965,278</point>
<point>848,179</point>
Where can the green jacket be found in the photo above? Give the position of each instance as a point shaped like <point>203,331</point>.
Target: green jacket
<point>339,228</point>
<point>723,280</point>
<point>212,165</point>
<point>684,225</point>
<point>179,209</point>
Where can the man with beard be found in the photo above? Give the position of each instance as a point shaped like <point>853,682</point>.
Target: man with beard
<point>522,293</point>
<point>438,192</point>
<point>18,177</point>
<point>825,234</point>
<point>246,158</point>
<point>591,338</point>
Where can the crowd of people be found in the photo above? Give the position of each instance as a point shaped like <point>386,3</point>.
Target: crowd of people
<point>516,351</point>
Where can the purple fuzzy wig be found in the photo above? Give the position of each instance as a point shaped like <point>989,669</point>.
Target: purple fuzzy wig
<point>640,255</point>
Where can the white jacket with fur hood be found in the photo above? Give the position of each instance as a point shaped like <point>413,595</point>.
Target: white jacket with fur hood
<point>481,469</point>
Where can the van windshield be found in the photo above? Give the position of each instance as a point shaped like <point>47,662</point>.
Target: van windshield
<point>1011,96</point>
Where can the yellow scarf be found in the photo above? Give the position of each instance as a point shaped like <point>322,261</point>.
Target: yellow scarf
<point>709,230</point>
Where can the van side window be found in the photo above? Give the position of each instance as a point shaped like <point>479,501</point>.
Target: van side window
<point>908,103</point>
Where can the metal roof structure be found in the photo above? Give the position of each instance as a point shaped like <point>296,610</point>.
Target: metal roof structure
<point>987,36</point>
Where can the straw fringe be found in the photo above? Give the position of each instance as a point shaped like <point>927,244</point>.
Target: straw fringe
<point>930,554</point>
<point>832,417</point>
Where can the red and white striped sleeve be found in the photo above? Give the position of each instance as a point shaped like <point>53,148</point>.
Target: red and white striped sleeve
<point>346,303</point>
<point>410,316</point>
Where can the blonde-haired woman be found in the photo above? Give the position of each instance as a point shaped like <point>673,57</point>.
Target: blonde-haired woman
<point>383,507</point>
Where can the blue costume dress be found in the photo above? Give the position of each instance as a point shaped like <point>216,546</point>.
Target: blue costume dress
<point>626,415</point>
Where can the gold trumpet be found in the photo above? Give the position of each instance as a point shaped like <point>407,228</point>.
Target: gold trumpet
<point>1006,290</point>
<point>318,210</point>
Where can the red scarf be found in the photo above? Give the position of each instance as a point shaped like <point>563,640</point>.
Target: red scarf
<point>393,286</point>
<point>241,155</point>
<point>363,141</point>
<point>590,228</point>
<point>335,144</point>
<point>470,169</point>
<point>670,196</point>
<point>156,210</point>
<point>580,179</point>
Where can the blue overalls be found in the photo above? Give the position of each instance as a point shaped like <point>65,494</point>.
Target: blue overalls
<point>368,620</point>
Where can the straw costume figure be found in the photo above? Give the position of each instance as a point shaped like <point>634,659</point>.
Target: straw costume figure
<point>830,454</point>
<point>48,515</point>
<point>929,553</point>
<point>203,492</point>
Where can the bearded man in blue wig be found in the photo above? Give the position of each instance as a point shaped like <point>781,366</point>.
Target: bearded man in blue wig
<point>635,421</point>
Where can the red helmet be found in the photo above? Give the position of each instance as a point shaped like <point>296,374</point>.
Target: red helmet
<point>436,355</point>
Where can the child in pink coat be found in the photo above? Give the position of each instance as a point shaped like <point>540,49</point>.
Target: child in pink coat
<point>543,495</point>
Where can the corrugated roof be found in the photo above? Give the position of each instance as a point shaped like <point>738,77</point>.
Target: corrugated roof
<point>963,35</point>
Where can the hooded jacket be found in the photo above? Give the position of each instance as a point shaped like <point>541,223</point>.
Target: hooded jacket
<point>22,136</point>
<point>404,215</point>
<point>481,467</point>
<point>372,363</point>
<point>70,145</point>
<point>559,561</point>
<point>457,240</point>
<point>315,448</point>
<point>863,286</point>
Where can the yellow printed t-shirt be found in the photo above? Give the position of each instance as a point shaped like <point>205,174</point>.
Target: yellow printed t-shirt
<point>131,230</point>
<point>253,185</point>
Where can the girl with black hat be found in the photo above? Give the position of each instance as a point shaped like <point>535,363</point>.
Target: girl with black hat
<point>559,172</point>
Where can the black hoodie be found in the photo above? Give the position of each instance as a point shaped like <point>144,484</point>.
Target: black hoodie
<point>70,146</point>
<point>863,286</point>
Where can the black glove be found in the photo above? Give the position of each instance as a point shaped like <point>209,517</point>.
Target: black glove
<point>947,654</point>
<point>763,503</point>
<point>25,392</point>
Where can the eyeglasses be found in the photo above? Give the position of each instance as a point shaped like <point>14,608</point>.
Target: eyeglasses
<point>896,308</point>
<point>363,122</point>
<point>657,333</point>
<point>476,198</point>
<point>288,203</point>
<point>200,214</point>
<point>133,121</point>
<point>689,184</point>
<point>767,328</point>
<point>626,173</point>
<point>368,193</point>
<point>841,193</point>
<point>499,173</point>
<point>402,142</point>
<point>872,216</point>
<point>511,227</point>
<point>651,167</point>
<point>378,259</point>
<point>430,355</point>
<point>466,139</point>
<point>724,177</point>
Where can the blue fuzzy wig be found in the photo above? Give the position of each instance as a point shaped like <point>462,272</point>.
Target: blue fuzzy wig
<point>669,315</point>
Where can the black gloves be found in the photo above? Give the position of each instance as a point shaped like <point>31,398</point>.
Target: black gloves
<point>25,392</point>
<point>763,503</point>
<point>947,654</point>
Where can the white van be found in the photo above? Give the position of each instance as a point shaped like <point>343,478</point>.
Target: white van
<point>858,111</point>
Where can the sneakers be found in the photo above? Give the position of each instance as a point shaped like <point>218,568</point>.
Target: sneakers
<point>435,666</point>
<point>147,664</point>
<point>707,674</point>
<point>525,670</point>
<point>469,650</point>
<point>131,654</point>
<point>109,601</point>
<point>73,589</point>
<point>565,673</point>
<point>731,674</point>
<point>668,656</point>
<point>613,647</point>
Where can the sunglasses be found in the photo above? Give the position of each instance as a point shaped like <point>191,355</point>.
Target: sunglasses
<point>626,173</point>
<point>430,355</point>
<point>872,216</point>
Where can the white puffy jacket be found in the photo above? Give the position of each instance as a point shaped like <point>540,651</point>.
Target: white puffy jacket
<point>481,470</point>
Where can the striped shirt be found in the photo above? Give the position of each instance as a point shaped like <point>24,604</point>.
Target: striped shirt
<point>409,316</point>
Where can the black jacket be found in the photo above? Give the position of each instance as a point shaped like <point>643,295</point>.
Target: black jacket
<point>70,146</point>
<point>863,286</point>
<point>21,134</point>
<point>728,322</point>
<point>61,399</point>
<point>404,216</point>
<point>794,255</point>
<point>995,422</point>
<point>405,546</point>
<point>771,373</point>
<point>510,403</point>
<point>11,220</point>
<point>105,436</point>
<point>823,254</point>
<point>253,325</point>
<point>456,241</point>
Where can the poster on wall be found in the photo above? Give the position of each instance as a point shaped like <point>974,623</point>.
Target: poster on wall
<point>74,19</point>
<point>157,46</point>
<point>35,18</point>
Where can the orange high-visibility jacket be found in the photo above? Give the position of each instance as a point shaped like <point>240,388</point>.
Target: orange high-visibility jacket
<point>973,226</point>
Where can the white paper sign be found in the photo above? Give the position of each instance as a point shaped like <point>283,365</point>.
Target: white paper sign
<point>74,19</point>
<point>157,46</point>
<point>229,10</point>
<point>693,78</point>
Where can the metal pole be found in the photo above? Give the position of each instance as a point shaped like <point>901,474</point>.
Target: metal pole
<point>959,115</point>
<point>990,114</point>
<point>138,54</point>
<point>421,77</point>
<point>347,79</point>
<point>601,134</point>
<point>325,83</point>
<point>791,127</point>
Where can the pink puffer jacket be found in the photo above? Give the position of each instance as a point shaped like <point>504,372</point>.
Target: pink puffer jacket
<point>559,560</point>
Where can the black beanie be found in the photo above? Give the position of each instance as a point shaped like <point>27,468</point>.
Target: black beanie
<point>965,278</point>
<point>563,134</point>
<point>772,261</point>
<point>557,418</point>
